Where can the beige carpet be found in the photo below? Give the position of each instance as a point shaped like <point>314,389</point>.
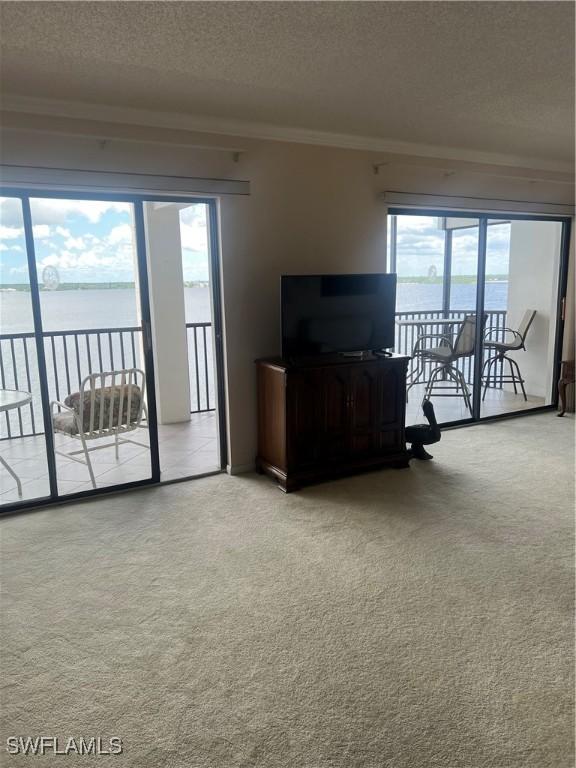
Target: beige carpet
<point>402,619</point>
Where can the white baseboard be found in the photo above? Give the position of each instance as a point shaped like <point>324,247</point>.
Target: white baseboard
<point>239,469</point>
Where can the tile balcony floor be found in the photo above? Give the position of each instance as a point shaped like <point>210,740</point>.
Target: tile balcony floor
<point>497,401</point>
<point>186,449</point>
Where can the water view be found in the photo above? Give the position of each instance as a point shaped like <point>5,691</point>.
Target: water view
<point>65,310</point>
<point>69,358</point>
<point>419,296</point>
<point>97,307</point>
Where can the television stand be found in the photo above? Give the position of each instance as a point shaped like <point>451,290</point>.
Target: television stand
<point>330,416</point>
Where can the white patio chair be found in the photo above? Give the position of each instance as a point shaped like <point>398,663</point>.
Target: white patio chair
<point>108,404</point>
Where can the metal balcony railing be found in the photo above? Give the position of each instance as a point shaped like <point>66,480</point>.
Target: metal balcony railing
<point>406,337</point>
<point>201,367</point>
<point>73,355</point>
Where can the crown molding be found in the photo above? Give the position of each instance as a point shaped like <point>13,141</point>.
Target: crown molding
<point>264,131</point>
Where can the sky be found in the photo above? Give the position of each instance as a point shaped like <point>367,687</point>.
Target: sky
<point>93,242</point>
<point>89,241</point>
<point>420,248</point>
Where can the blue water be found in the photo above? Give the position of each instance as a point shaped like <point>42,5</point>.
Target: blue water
<point>411,297</point>
<point>98,308</point>
<point>92,308</point>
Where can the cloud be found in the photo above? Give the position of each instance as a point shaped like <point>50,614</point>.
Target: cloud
<point>197,212</point>
<point>49,214</point>
<point>121,234</point>
<point>71,240</point>
<point>420,245</point>
<point>90,266</point>
<point>41,231</point>
<point>10,233</point>
<point>21,270</point>
<point>11,248</point>
<point>417,223</point>
<point>91,258</point>
<point>56,212</point>
<point>193,229</point>
<point>75,243</point>
<point>52,211</point>
<point>11,212</point>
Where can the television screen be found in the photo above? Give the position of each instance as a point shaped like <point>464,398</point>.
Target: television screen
<point>337,313</point>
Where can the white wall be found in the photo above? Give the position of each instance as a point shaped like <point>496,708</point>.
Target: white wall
<point>533,284</point>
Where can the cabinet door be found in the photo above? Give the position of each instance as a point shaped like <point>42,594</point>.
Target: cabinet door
<point>304,399</point>
<point>376,409</point>
<point>366,409</point>
<point>390,408</point>
<point>335,413</point>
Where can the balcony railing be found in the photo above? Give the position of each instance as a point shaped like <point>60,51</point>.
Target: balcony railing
<point>201,367</point>
<point>406,338</point>
<point>73,355</point>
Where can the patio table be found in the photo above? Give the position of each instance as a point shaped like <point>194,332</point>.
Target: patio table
<point>10,399</point>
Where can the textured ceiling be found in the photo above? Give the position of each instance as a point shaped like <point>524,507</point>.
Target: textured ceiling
<point>491,76</point>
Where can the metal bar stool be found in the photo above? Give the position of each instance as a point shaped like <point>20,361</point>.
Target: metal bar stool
<point>500,350</point>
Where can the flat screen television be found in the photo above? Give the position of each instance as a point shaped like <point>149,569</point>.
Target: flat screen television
<point>323,314</point>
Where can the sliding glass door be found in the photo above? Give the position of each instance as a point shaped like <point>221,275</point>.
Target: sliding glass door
<point>436,259</point>
<point>91,304</point>
<point>477,310</point>
<point>76,349</point>
<point>25,450</point>
<point>183,291</point>
<point>523,269</point>
<point>94,292</point>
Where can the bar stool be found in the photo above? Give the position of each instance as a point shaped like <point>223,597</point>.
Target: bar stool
<point>500,350</point>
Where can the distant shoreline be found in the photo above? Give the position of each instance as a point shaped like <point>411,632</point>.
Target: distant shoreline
<point>456,279</point>
<point>10,287</point>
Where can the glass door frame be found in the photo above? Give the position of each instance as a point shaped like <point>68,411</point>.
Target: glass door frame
<point>483,218</point>
<point>24,193</point>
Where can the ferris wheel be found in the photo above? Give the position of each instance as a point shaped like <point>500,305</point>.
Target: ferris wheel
<point>50,278</point>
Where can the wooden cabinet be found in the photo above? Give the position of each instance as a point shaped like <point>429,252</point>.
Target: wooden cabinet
<point>330,417</point>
